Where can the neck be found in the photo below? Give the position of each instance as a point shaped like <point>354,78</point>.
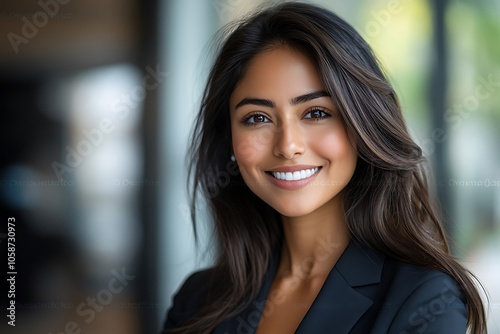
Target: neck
<point>313,243</point>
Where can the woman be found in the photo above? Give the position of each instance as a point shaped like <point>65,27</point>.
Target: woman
<point>323,221</point>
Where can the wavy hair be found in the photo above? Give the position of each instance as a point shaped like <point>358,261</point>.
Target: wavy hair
<point>387,204</point>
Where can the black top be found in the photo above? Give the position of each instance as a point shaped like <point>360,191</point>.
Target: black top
<point>365,292</point>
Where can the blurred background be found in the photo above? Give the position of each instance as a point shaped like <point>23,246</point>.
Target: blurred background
<point>97,99</point>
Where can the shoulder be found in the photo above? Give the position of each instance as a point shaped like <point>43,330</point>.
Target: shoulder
<point>423,300</point>
<point>189,298</point>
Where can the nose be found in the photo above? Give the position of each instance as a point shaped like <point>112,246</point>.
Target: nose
<point>289,141</point>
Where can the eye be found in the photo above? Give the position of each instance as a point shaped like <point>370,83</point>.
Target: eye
<point>254,119</point>
<point>317,114</point>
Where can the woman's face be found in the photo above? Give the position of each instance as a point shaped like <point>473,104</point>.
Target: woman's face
<point>289,140</point>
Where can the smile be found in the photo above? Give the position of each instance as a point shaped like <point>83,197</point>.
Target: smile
<point>296,175</point>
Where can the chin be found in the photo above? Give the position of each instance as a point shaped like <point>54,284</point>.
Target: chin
<point>291,211</point>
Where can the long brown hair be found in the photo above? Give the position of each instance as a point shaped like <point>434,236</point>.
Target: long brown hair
<point>387,204</point>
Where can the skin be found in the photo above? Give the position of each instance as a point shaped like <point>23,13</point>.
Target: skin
<point>308,133</point>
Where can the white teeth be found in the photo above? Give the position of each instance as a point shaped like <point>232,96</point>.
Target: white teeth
<point>295,176</point>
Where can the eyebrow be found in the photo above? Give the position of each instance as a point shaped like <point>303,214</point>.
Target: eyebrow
<point>270,103</point>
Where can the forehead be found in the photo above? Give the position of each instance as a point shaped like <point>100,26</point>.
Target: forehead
<point>279,74</point>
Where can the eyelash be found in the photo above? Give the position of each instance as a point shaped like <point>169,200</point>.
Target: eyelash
<point>325,113</point>
<point>246,120</point>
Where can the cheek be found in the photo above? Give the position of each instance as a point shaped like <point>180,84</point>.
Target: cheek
<point>250,147</point>
<point>336,145</point>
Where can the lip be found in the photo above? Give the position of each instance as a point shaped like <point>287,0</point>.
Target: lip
<point>291,184</point>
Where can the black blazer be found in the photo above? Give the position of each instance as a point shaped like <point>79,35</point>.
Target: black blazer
<point>365,292</point>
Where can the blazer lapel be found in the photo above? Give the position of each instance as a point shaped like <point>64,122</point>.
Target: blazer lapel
<point>339,305</point>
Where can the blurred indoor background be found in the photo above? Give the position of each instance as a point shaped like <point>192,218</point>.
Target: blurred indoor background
<point>97,99</point>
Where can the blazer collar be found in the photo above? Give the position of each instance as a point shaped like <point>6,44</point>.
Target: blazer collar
<point>338,306</point>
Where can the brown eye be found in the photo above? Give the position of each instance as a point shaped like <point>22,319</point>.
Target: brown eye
<point>256,118</point>
<point>317,114</point>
